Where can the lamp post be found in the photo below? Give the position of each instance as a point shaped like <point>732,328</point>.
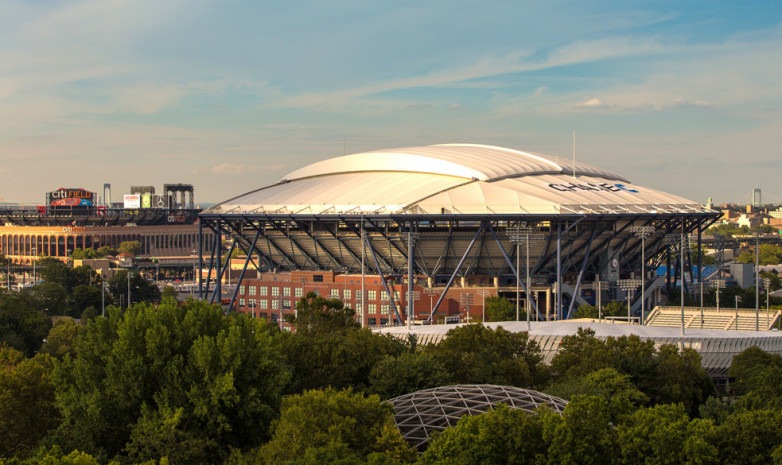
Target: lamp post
<point>465,300</point>
<point>767,285</point>
<point>643,232</point>
<point>130,275</point>
<point>35,254</point>
<point>736,313</point>
<point>673,239</point>
<point>193,252</point>
<point>717,284</point>
<point>600,286</point>
<point>416,295</point>
<point>757,282</point>
<point>525,235</point>
<point>102,297</point>
<point>430,291</point>
<point>629,286</point>
<point>483,293</point>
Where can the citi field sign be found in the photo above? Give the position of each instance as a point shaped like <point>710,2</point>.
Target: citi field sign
<point>70,197</point>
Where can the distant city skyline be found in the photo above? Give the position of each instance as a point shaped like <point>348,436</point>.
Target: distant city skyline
<point>230,96</point>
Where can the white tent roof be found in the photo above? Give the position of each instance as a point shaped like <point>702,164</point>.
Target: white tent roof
<point>453,178</point>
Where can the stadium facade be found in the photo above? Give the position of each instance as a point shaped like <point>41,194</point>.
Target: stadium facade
<point>455,216</point>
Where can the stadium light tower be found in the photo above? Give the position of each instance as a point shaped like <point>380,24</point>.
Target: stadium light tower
<point>483,293</point>
<point>673,239</point>
<point>525,235</point>
<point>767,285</point>
<point>600,286</point>
<point>643,232</point>
<point>629,286</point>
<point>718,283</point>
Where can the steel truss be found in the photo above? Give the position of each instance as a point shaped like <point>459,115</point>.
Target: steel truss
<point>445,246</point>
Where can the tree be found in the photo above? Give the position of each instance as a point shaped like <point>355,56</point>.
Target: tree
<point>141,290</point>
<point>580,354</point>
<point>680,377</point>
<point>501,436</point>
<point>317,418</point>
<point>585,435</point>
<point>408,372</point>
<point>770,254</point>
<point>749,437</point>
<point>501,309</point>
<point>183,381</point>
<point>478,354</point>
<point>316,315</point>
<point>62,338</point>
<point>130,247</point>
<point>587,311</point>
<point>764,391</point>
<point>664,374</point>
<point>169,293</point>
<point>339,359</point>
<point>21,325</point>
<point>748,364</point>
<point>665,435</point>
<point>622,395</point>
<point>27,411</point>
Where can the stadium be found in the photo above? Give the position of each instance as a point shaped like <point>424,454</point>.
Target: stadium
<point>466,221</point>
<point>462,216</point>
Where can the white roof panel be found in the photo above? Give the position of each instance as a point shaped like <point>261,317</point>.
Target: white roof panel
<point>453,178</point>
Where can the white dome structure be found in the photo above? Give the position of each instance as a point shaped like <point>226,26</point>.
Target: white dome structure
<point>442,212</point>
<point>453,179</point>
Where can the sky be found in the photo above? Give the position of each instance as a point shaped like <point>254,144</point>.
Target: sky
<point>681,96</point>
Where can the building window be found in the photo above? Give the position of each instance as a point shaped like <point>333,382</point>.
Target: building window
<point>383,296</point>
<point>252,289</point>
<point>286,291</point>
<point>371,321</point>
<point>286,305</point>
<point>396,296</point>
<point>372,295</point>
<point>383,321</point>
<point>384,309</point>
<point>241,302</point>
<point>264,303</point>
<point>275,304</point>
<point>275,291</point>
<point>298,292</point>
<point>347,294</point>
<point>252,303</point>
<point>335,293</point>
<point>318,278</point>
<point>372,308</point>
<point>263,290</point>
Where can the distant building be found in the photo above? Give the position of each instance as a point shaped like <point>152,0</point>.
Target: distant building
<point>743,273</point>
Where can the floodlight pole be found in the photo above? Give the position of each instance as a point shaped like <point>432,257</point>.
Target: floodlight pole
<point>681,259</point>
<point>363,276</point>
<point>643,232</point>
<point>757,282</point>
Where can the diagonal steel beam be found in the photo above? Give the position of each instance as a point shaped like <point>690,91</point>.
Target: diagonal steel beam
<point>385,283</point>
<point>244,269</point>
<point>456,271</point>
<point>581,273</point>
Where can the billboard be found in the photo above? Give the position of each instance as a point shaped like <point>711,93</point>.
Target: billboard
<point>131,201</point>
<point>146,200</point>
<point>70,197</point>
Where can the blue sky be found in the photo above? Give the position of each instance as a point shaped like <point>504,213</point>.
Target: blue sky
<point>232,95</point>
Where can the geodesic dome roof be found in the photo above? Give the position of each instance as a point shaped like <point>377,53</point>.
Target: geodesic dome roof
<point>419,414</point>
<point>453,179</point>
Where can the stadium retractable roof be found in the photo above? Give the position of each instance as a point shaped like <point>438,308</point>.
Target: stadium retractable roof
<point>453,179</point>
